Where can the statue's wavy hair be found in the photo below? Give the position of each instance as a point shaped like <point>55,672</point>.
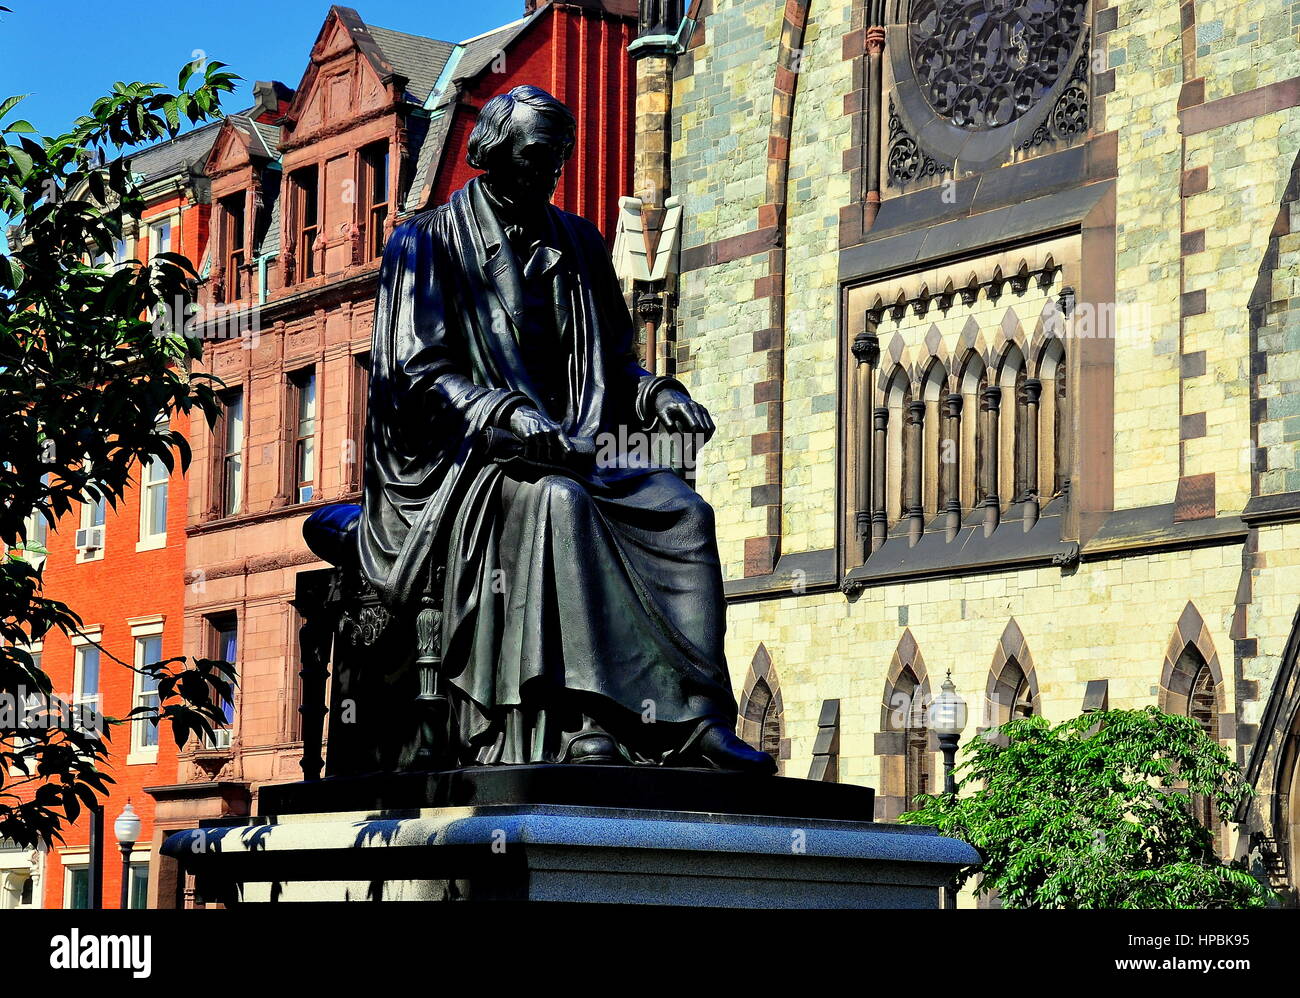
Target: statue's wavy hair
<point>493,127</point>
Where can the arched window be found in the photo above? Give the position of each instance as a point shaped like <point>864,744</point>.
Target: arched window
<point>1191,690</point>
<point>911,710</point>
<point>970,383</point>
<point>933,389</point>
<point>769,724</point>
<point>1053,423</point>
<point>761,721</point>
<point>1012,426</point>
<point>902,746</point>
<point>1013,696</point>
<point>1012,690</point>
<point>898,395</point>
<point>1203,707</point>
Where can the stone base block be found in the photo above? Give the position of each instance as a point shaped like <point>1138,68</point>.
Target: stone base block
<point>493,849</point>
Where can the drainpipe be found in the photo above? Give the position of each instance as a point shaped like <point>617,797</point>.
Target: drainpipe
<point>262,262</point>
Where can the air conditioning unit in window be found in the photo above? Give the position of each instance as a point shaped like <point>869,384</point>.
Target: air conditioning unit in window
<point>90,539</point>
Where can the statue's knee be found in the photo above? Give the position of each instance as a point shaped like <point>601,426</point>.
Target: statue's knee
<point>699,513</point>
<point>564,494</point>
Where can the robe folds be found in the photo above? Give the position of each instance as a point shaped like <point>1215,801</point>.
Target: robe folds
<point>592,591</point>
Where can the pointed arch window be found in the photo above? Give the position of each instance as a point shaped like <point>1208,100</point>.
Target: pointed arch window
<point>898,396</point>
<point>911,711</point>
<point>1203,707</point>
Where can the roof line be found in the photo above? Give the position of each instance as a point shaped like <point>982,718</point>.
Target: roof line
<point>503,27</point>
<point>445,77</point>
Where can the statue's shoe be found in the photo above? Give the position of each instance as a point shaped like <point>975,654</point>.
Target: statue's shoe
<point>722,748</point>
<point>594,748</point>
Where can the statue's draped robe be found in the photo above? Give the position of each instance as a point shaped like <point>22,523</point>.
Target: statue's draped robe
<point>593,593</point>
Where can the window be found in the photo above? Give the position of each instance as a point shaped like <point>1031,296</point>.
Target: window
<point>138,886</point>
<point>114,258</point>
<point>231,470</point>
<point>1204,710</point>
<point>90,536</point>
<point>86,705</point>
<point>306,218</point>
<point>37,532</point>
<point>153,505</point>
<point>353,446</point>
<point>160,237</point>
<point>232,241</point>
<point>92,512</point>
<point>908,710</point>
<point>76,887</point>
<point>31,707</point>
<point>917,775</point>
<point>303,390</point>
<point>87,677</point>
<point>148,651</point>
<point>1012,696</point>
<point>373,207</point>
<point>225,646</point>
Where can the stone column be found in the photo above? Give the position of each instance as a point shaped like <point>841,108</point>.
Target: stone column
<point>866,351</point>
<point>990,407</point>
<point>914,508</point>
<point>879,472</point>
<point>875,98</point>
<point>952,469</point>
<point>654,53</point>
<point>1029,395</point>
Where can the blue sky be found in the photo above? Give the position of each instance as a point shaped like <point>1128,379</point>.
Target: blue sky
<point>66,54</point>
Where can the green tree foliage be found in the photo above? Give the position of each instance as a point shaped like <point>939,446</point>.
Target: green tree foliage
<point>1096,812</point>
<point>84,378</point>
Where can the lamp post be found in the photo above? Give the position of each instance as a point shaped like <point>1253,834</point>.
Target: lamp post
<point>948,721</point>
<point>127,830</point>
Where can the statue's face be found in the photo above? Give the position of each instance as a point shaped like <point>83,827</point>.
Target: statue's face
<point>529,169</point>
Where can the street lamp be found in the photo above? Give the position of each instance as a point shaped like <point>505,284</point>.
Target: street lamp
<point>948,721</point>
<point>127,829</point>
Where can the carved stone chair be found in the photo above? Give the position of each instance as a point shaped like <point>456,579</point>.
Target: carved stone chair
<point>345,623</point>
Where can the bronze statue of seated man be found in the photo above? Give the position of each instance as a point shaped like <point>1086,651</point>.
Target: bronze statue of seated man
<point>582,603</point>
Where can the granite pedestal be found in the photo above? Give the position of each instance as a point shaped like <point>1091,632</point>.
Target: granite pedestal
<point>571,834</point>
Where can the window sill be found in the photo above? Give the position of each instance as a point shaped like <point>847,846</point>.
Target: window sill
<point>287,510</point>
<point>1009,546</point>
<point>142,757</point>
<point>155,543</point>
<point>84,558</point>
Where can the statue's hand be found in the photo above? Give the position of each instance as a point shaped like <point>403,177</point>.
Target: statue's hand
<point>541,436</point>
<point>677,411</point>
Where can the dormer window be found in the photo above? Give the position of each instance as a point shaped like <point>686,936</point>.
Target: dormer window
<point>232,241</point>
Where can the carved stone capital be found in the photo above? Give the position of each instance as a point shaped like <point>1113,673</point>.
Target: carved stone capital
<point>650,306</point>
<point>866,348</point>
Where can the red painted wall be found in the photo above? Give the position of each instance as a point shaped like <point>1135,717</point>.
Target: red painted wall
<point>581,58</point>
<point>124,584</point>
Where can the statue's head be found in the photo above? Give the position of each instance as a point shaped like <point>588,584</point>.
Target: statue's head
<point>522,140</point>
